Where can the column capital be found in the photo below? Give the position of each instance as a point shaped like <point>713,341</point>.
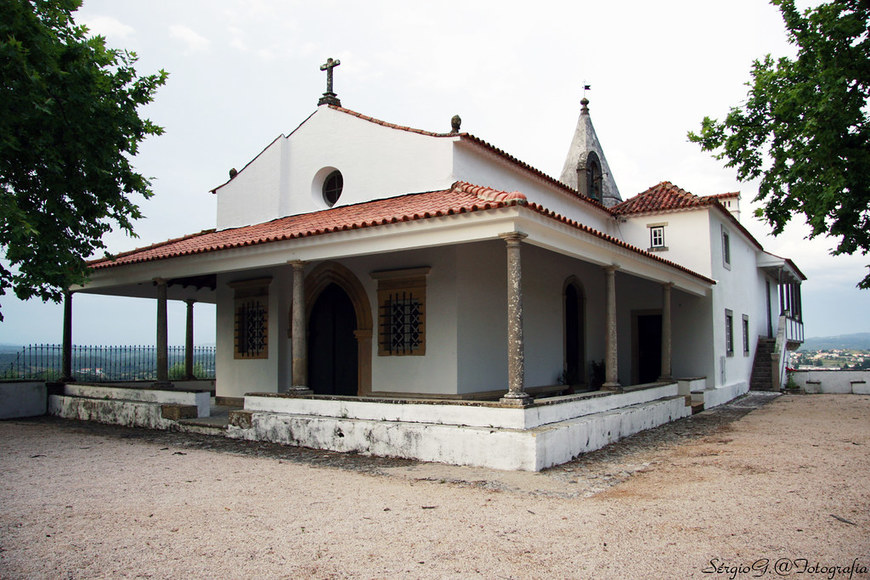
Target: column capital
<point>297,264</point>
<point>160,281</point>
<point>513,237</point>
<point>611,268</point>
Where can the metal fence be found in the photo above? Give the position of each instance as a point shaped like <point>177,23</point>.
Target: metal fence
<point>103,363</point>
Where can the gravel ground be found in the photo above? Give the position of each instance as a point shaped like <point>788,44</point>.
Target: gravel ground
<point>730,493</point>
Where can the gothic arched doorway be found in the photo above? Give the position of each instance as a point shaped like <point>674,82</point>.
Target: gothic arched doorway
<point>339,327</point>
<point>332,350</point>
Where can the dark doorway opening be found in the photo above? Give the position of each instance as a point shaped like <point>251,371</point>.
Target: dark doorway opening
<point>575,367</point>
<point>332,346</point>
<point>649,348</point>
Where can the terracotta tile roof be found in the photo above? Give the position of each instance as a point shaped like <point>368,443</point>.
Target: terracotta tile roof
<point>666,197</point>
<point>461,198</point>
<point>662,197</point>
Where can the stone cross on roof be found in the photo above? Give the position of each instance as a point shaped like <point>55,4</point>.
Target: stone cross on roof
<point>329,97</point>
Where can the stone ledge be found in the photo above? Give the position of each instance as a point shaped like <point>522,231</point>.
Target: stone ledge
<point>241,419</point>
<point>175,412</point>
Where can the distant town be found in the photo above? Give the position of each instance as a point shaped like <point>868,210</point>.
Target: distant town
<point>847,352</point>
<point>835,358</point>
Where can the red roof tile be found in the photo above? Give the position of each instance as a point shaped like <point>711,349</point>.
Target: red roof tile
<point>668,197</point>
<point>461,198</point>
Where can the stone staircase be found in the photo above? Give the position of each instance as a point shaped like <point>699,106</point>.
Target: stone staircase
<point>762,371</point>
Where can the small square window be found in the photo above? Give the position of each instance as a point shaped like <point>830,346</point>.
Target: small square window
<point>657,237</point>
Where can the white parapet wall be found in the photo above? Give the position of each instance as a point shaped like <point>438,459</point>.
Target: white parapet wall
<point>144,394</point>
<point>723,394</point>
<point>22,399</point>
<point>112,411</point>
<point>832,381</point>
<point>548,433</point>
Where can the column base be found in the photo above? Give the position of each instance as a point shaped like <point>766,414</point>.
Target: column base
<point>299,390</point>
<point>516,400</point>
<point>614,387</point>
<point>162,384</point>
<point>664,379</point>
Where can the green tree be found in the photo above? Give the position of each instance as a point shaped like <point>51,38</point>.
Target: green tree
<point>804,127</point>
<point>69,126</point>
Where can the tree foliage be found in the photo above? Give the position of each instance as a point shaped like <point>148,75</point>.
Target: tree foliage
<point>69,126</point>
<point>804,127</point>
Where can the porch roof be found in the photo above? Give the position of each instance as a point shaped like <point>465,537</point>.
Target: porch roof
<point>461,198</point>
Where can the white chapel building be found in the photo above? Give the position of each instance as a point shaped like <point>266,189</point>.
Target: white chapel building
<point>395,291</point>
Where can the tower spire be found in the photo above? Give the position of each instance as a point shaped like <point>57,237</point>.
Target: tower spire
<point>586,168</point>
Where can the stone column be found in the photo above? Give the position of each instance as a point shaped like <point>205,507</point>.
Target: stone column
<point>67,338</point>
<point>299,371</point>
<point>611,368</point>
<point>666,332</point>
<point>162,335</point>
<point>188,342</point>
<point>516,395</point>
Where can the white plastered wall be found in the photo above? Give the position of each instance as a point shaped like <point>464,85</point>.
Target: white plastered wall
<point>482,314</point>
<point>435,372</point>
<point>740,288</point>
<point>687,237</point>
<point>487,169</point>
<point>235,377</point>
<point>375,161</point>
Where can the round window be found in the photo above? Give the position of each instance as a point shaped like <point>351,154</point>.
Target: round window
<point>332,187</point>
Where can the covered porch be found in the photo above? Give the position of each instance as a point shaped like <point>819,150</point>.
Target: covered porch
<point>509,337</point>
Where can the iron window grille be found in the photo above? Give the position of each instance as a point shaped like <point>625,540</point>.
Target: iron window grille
<point>251,328</point>
<point>402,311</point>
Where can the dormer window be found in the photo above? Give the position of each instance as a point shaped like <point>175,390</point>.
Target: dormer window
<point>332,186</point>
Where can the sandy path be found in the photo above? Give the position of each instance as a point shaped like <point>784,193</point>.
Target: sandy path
<point>85,502</point>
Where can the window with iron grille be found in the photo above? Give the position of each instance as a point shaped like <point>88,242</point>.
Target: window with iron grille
<point>403,322</point>
<point>402,312</point>
<point>251,324</point>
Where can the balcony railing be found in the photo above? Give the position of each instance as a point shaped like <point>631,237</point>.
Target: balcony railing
<point>103,363</point>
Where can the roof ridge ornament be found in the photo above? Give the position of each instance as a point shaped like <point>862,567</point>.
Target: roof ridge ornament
<point>329,97</point>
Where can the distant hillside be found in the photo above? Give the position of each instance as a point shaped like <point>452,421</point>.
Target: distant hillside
<point>859,341</point>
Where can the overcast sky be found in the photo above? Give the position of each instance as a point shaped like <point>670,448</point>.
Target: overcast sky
<point>243,72</point>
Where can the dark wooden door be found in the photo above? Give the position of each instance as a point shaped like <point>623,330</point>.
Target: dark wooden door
<point>332,347</point>
<point>649,348</point>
